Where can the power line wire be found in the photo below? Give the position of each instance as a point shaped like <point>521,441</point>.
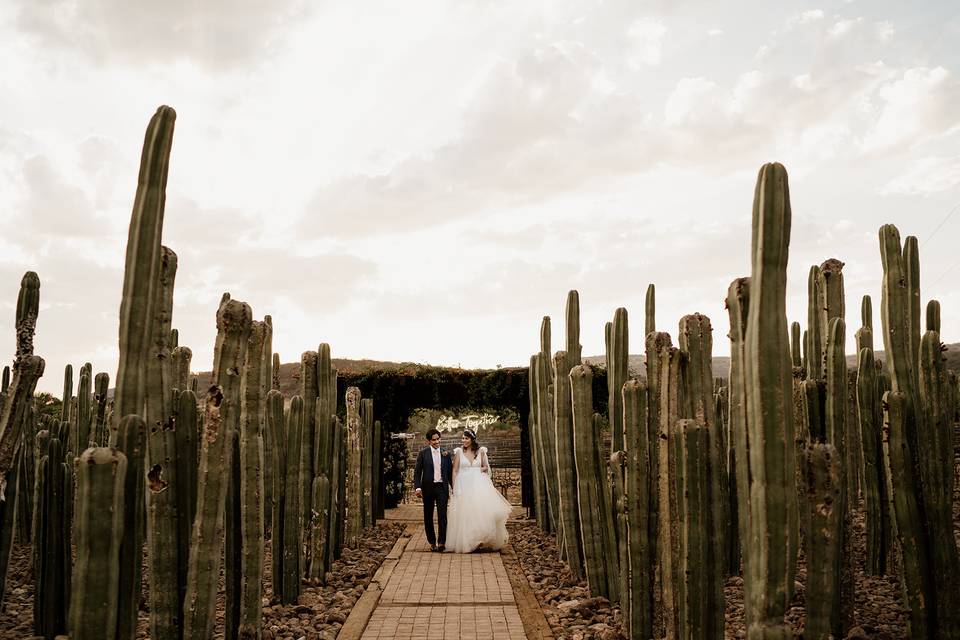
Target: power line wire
<point>942,222</point>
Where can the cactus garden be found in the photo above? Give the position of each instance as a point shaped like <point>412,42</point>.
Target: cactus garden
<point>796,494</point>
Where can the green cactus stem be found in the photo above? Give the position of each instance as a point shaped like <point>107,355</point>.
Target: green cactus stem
<point>161,465</point>
<point>142,268</point>
<point>537,461</point>
<point>568,508</point>
<point>101,478</point>
<point>292,512</point>
<point>185,434</point>
<point>309,391</point>
<point>875,500</point>
<point>277,428</point>
<point>574,349</point>
<point>131,442</point>
<point>864,335</point>
<point>815,330</point>
<point>796,355</point>
<point>180,358</point>
<point>596,516</point>
<point>824,530</point>
<point>9,506</point>
<point>276,372</point>
<point>933,316</point>
<point>773,527</point>
<point>903,489</point>
<point>640,564</point>
<point>67,394</point>
<point>338,488</point>
<point>354,522</point>
<point>221,423</point>
<point>911,268</point>
<point>101,384</point>
<point>650,311</point>
<point>319,528</point>
<point>617,374</point>
<point>366,468</point>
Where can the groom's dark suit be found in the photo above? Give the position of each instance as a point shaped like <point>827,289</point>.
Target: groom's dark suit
<point>434,493</point>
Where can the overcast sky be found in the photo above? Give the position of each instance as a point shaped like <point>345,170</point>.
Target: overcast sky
<point>423,181</point>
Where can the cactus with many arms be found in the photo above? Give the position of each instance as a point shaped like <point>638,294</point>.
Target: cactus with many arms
<point>101,477</point>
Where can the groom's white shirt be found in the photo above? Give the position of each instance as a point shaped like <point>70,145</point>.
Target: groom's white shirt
<point>436,464</point>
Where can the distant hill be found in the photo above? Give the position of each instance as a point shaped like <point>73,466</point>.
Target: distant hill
<point>721,364</point>
<point>290,371</point>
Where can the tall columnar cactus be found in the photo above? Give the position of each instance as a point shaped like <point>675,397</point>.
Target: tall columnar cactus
<point>221,422</point>
<point>815,331</point>
<point>161,465</point>
<point>354,518</point>
<point>378,470</point>
<point>275,384</point>
<point>101,384</point>
<point>918,391</point>
<point>655,342</point>
<point>771,461</point>
<point>67,393</point>
<point>142,267</point>
<point>278,459</point>
<point>326,409</point>
<point>10,501</point>
<point>796,351</point>
<point>292,511</point>
<point>319,528</point>
<point>52,558</point>
<point>640,565</point>
<point>864,335</point>
<point>568,508</point>
<point>933,316</point>
<point>84,412</point>
<point>186,434</point>
<point>619,351</point>
<point>101,477</point>
<point>574,349</point>
<point>537,463</point>
<point>27,369</point>
<point>696,342</point>
<point>180,358</point>
<point>596,516</point>
<point>823,513</point>
<point>131,441</point>
<point>251,486</point>
<point>548,439</point>
<point>698,606</point>
<point>650,311</point>
<point>366,465</point>
<point>339,492</point>
<point>309,391</point>
<point>874,479</point>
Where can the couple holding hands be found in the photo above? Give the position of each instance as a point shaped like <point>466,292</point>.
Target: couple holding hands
<point>478,513</point>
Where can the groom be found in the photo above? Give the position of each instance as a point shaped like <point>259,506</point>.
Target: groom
<point>432,479</point>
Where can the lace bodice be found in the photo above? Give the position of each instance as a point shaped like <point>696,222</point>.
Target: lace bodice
<point>478,461</point>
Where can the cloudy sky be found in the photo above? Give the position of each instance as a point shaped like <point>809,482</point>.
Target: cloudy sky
<point>424,180</point>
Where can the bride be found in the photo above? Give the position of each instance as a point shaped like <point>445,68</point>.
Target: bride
<point>478,513</point>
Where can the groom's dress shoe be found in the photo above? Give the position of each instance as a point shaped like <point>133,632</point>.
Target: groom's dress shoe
<point>441,548</point>
<point>433,547</point>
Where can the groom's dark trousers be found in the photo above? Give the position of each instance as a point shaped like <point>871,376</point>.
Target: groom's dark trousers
<point>435,494</point>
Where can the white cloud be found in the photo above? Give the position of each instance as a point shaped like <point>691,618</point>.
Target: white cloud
<point>914,106</point>
<point>715,32</point>
<point>928,176</point>
<point>842,27</point>
<point>214,33</point>
<point>646,37</point>
<point>884,29</point>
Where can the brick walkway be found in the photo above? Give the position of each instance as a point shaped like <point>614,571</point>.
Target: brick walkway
<point>443,596</point>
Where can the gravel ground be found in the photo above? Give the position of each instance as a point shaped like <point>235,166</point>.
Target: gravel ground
<point>318,615</point>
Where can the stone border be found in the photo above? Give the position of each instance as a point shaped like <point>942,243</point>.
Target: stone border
<point>359,616</point>
<point>535,624</point>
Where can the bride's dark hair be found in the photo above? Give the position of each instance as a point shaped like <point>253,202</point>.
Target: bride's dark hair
<point>473,439</point>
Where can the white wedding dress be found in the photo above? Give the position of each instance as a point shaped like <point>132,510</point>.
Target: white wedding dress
<point>478,513</point>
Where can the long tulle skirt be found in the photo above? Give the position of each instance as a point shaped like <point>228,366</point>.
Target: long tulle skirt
<point>478,514</point>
